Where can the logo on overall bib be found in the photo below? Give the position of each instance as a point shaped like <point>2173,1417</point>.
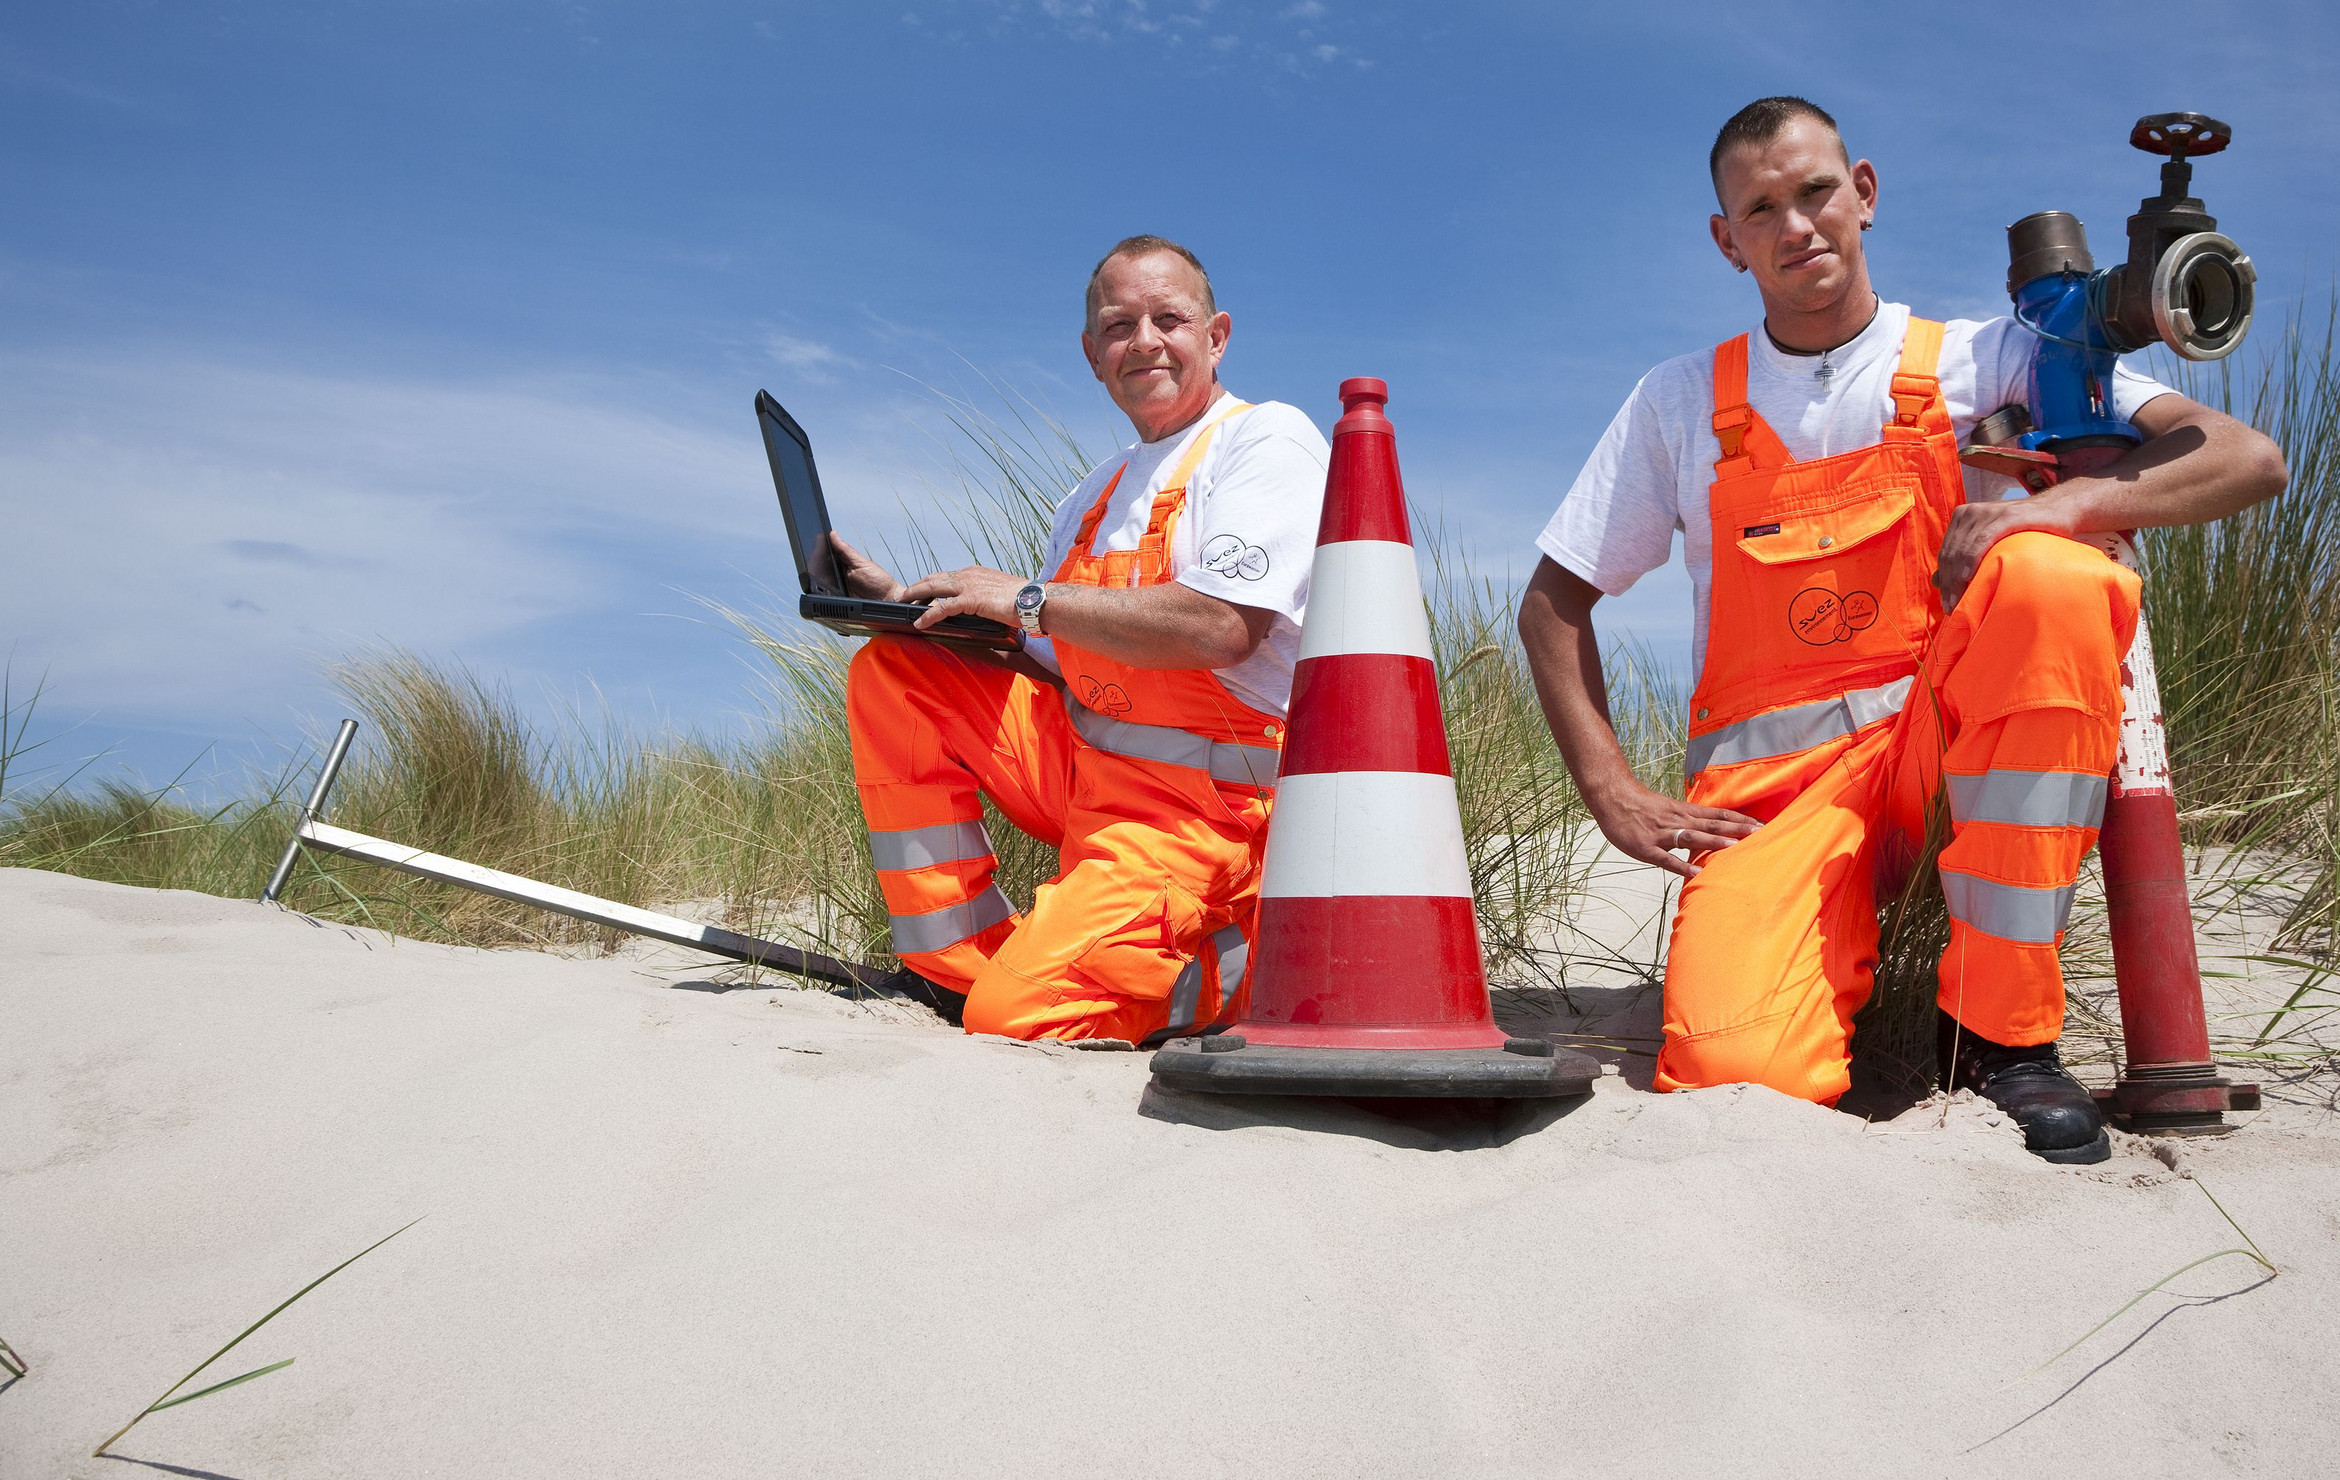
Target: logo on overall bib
<point>1820,616</point>
<point>1105,698</point>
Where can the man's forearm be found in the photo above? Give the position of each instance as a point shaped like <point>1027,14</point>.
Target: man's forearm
<point>1162,627</point>
<point>1564,656</point>
<point>1555,627</point>
<point>1166,626</point>
<point>2196,465</point>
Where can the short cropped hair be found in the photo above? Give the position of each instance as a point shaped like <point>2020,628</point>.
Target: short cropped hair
<point>1762,121</point>
<point>1142,246</point>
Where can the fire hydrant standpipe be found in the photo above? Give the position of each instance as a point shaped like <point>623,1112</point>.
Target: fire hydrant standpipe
<point>2188,287</point>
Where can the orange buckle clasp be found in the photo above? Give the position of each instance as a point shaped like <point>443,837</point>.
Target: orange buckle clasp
<point>1730,429</point>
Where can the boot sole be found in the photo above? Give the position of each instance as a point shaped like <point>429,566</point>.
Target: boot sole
<point>2095,1151</point>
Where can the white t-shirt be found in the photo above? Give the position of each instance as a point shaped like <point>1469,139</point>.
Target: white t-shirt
<point>1247,535</point>
<point>1649,475</point>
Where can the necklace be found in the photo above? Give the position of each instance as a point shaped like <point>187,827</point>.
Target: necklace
<point>1827,368</point>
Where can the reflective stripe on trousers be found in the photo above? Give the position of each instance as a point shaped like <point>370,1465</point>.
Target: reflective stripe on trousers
<point>2026,914</point>
<point>2029,798</point>
<point>951,924</point>
<point>1230,948</point>
<point>923,847</point>
<point>2013,912</point>
<point>1242,765</point>
<point>1797,728</point>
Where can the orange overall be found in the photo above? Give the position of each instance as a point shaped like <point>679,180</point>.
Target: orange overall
<point>1154,785</point>
<point>1838,701</point>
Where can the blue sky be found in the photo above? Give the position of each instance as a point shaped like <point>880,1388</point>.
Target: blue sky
<point>437,324</point>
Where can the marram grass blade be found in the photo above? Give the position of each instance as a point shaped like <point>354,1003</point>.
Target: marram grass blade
<point>2131,1304</point>
<point>2256,1252</point>
<point>10,1361</point>
<point>167,1401</point>
<point>218,1386</point>
<point>2253,1253</point>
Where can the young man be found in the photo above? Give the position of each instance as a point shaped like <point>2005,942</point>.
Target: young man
<point>1165,622</point>
<point>1874,630</point>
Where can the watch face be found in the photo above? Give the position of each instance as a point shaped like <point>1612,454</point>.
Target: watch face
<point>1028,599</point>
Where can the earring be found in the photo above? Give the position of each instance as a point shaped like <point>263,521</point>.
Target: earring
<point>1866,223</point>
<point>1740,265</point>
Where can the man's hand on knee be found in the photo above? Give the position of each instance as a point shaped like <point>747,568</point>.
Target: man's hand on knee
<point>1974,528</point>
<point>1649,826</point>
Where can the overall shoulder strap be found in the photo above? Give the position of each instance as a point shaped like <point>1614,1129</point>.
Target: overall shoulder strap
<point>1731,411</point>
<point>1172,499</point>
<point>1088,533</point>
<point>1917,391</point>
<point>1184,472</point>
<point>1746,442</point>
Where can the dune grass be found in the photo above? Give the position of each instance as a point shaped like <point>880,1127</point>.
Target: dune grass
<point>762,832</point>
<point>2246,624</point>
<point>447,762</point>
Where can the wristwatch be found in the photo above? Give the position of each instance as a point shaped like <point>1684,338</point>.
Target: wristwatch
<point>1028,602</point>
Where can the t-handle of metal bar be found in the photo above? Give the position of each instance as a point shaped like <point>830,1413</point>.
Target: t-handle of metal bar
<point>309,813</point>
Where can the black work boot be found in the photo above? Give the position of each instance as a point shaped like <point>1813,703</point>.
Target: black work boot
<point>908,986</point>
<point>2059,1117</point>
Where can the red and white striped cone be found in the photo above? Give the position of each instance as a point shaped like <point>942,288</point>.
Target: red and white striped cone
<point>1366,977</point>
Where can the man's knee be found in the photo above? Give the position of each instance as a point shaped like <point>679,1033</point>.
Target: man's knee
<point>1005,1002</point>
<point>1777,1052</point>
<point>2056,580</point>
<point>1004,1013</point>
<point>2049,619</point>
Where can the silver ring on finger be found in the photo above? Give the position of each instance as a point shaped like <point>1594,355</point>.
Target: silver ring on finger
<point>1680,834</point>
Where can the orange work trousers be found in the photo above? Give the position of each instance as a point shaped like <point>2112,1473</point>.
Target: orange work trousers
<point>2015,715</point>
<point>1158,876</point>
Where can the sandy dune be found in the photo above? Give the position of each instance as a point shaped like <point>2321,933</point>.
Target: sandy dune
<point>674,1230</point>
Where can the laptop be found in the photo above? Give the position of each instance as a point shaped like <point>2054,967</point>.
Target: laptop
<point>825,600</point>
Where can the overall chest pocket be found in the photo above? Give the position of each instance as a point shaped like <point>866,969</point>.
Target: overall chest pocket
<point>1813,591</point>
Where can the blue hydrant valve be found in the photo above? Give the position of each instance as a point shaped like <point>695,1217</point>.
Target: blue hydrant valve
<point>2185,285</point>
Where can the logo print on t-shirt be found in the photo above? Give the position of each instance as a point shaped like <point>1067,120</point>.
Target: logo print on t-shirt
<point>1820,616</point>
<point>1228,555</point>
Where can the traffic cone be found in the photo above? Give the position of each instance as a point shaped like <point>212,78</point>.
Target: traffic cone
<point>1367,979</point>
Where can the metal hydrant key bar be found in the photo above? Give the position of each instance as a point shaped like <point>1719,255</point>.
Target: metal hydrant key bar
<point>671,928</point>
<point>314,833</point>
<point>315,806</point>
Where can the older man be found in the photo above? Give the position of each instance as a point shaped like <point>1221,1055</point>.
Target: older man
<point>1872,633</point>
<point>1164,622</point>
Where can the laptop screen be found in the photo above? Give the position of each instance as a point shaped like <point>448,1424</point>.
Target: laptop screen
<point>801,505</point>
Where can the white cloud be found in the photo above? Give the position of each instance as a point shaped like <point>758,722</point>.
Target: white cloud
<point>1277,37</point>
<point>814,361</point>
<point>191,537</point>
<point>194,539</point>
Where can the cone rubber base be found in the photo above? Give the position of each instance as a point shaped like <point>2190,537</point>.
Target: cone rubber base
<point>1236,1068</point>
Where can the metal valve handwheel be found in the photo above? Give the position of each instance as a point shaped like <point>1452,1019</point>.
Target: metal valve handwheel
<point>2180,135</point>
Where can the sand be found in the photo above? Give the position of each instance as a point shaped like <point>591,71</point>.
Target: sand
<point>673,1229</point>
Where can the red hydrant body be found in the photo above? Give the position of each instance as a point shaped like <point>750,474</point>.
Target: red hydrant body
<point>2168,1084</point>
